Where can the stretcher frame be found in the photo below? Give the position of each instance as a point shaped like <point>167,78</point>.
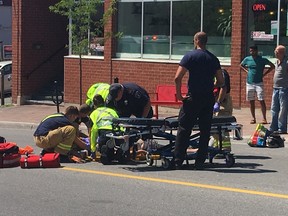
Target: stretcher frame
<point>162,129</point>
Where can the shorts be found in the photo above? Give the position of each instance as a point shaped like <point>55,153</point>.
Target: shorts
<point>253,89</point>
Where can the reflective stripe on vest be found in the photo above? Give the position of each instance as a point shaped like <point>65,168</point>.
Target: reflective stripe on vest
<point>64,146</point>
<point>53,115</point>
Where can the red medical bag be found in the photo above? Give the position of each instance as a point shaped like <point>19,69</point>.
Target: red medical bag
<point>48,160</point>
<point>9,156</point>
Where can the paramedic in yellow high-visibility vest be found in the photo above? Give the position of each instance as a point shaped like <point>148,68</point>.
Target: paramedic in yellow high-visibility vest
<point>223,107</point>
<point>56,132</point>
<point>97,89</point>
<point>102,124</point>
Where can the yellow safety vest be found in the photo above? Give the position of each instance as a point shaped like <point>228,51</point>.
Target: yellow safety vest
<point>102,119</point>
<point>98,88</point>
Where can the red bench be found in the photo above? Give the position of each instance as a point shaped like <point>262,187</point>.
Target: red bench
<point>166,95</point>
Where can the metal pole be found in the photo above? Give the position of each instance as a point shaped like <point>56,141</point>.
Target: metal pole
<point>1,51</point>
<point>116,80</point>
<point>278,23</point>
<point>2,87</point>
<point>57,99</point>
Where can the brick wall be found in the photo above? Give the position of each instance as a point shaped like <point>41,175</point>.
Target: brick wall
<point>33,24</point>
<point>37,34</point>
<point>238,52</point>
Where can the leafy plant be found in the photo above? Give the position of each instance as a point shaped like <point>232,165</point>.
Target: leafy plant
<point>80,14</point>
<point>225,24</point>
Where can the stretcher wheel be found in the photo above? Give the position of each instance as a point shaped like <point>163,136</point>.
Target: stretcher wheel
<point>166,163</point>
<point>230,160</point>
<point>149,160</point>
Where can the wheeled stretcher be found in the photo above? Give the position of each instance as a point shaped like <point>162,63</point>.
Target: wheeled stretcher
<point>163,129</point>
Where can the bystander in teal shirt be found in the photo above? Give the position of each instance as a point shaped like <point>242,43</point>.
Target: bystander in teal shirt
<point>255,67</point>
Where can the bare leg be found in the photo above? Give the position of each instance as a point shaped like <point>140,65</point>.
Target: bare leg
<point>263,110</point>
<point>252,109</point>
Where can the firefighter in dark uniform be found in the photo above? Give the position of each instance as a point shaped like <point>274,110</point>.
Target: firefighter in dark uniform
<point>57,133</point>
<point>130,99</point>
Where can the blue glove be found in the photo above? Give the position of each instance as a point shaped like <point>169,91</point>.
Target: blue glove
<point>216,107</point>
<point>93,155</point>
<point>87,142</point>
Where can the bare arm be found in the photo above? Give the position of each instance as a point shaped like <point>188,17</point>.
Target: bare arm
<point>243,68</point>
<point>272,67</point>
<point>181,71</point>
<point>222,94</point>
<point>146,109</point>
<point>80,143</point>
<point>219,79</point>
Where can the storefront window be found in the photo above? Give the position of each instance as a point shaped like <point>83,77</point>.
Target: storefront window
<point>263,26</point>
<point>156,39</point>
<point>95,34</point>
<point>184,26</point>
<point>217,23</point>
<point>162,29</point>
<point>129,24</point>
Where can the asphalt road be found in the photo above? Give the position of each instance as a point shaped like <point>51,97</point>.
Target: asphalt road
<point>255,185</point>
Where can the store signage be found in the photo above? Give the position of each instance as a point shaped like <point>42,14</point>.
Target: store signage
<point>261,36</point>
<point>7,51</point>
<point>259,7</point>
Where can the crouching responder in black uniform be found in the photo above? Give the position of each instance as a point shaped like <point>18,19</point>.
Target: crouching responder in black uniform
<point>56,132</point>
<point>130,99</point>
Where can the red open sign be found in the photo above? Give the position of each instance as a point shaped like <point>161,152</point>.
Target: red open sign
<point>259,7</point>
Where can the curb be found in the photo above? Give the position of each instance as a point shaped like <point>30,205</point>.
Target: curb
<point>25,125</point>
<point>22,125</point>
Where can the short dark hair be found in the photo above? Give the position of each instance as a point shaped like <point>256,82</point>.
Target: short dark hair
<point>98,100</point>
<point>202,37</point>
<point>71,110</point>
<point>84,108</point>
<point>254,47</point>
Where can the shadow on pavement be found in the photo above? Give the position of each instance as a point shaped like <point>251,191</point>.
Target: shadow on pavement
<point>216,167</point>
<point>254,157</point>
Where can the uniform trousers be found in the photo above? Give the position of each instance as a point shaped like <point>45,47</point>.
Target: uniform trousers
<point>60,139</point>
<point>195,109</point>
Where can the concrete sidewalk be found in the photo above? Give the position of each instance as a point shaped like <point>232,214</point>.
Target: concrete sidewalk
<point>30,116</point>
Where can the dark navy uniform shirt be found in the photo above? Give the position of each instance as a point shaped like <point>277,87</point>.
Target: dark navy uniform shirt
<point>51,122</point>
<point>202,66</point>
<point>133,100</point>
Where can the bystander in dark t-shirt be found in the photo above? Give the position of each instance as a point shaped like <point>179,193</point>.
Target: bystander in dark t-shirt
<point>202,66</point>
<point>51,122</point>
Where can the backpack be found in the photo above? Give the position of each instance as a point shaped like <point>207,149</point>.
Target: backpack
<point>258,138</point>
<point>275,141</point>
<point>9,156</point>
<point>2,139</point>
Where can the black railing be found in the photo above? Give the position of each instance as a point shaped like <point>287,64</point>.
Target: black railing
<point>45,61</point>
<point>57,96</point>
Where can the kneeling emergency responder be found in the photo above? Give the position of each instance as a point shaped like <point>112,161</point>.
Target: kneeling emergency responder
<point>102,124</point>
<point>56,132</point>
